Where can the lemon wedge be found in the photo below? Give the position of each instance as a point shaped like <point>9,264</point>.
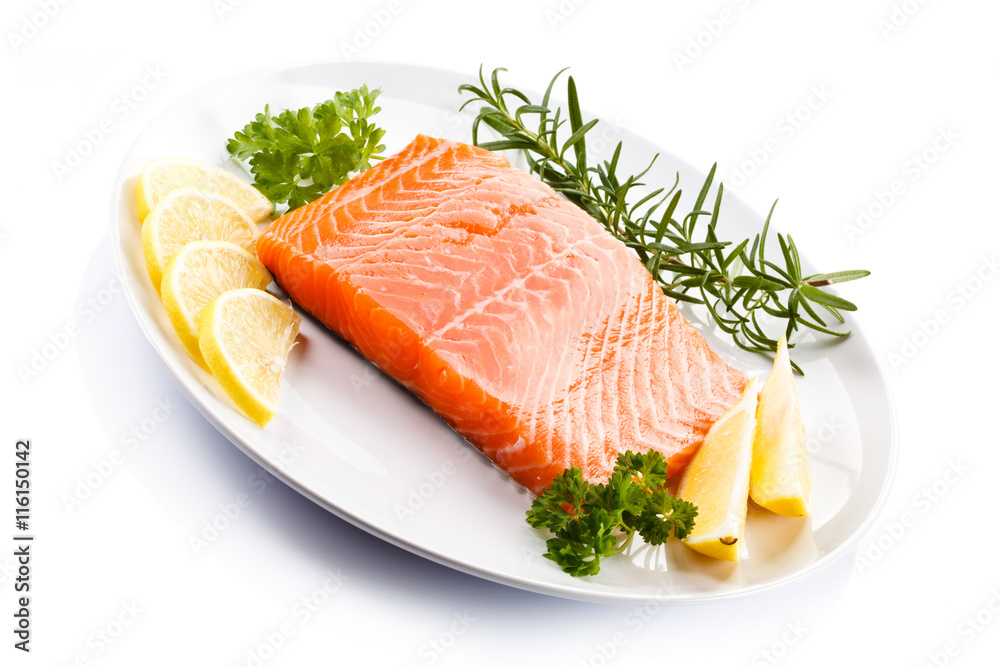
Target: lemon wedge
<point>191,215</point>
<point>196,275</point>
<point>165,175</point>
<point>245,336</point>
<point>779,475</point>
<point>717,480</point>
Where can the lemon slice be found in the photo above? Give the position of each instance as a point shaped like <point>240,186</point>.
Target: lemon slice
<point>245,337</point>
<point>717,480</point>
<point>779,476</point>
<point>161,177</point>
<point>191,215</point>
<point>196,275</point>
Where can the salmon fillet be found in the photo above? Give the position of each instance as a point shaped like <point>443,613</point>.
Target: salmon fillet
<point>505,308</point>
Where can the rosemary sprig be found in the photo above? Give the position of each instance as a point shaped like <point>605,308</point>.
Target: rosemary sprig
<point>738,283</point>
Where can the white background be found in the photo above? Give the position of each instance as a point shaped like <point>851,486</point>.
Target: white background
<point>889,90</point>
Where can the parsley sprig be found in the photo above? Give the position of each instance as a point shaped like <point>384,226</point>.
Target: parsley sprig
<point>593,521</point>
<point>297,156</point>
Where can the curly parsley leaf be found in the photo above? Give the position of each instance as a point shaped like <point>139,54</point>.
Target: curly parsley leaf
<point>589,522</point>
<point>296,156</point>
<point>664,515</point>
<point>561,502</point>
<point>649,469</point>
<point>620,496</point>
<point>579,546</point>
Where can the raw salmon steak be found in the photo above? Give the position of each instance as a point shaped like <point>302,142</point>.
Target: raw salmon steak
<point>505,308</point>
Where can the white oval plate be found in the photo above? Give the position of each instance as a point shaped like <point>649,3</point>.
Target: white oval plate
<point>353,441</point>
